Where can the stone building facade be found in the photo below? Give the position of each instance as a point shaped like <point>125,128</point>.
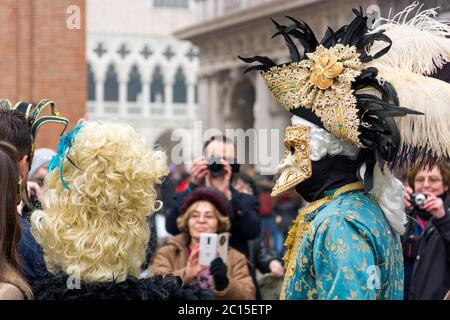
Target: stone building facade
<point>225,29</point>
<point>43,56</point>
<point>138,72</point>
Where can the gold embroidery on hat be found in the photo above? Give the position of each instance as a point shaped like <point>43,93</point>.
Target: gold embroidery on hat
<point>325,70</point>
<point>322,84</point>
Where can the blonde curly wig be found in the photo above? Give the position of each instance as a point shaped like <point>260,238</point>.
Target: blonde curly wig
<point>98,230</point>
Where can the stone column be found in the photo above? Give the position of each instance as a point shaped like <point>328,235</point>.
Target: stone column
<point>146,95</point>
<point>122,95</point>
<point>263,101</point>
<point>209,8</point>
<point>191,105</point>
<point>168,94</point>
<point>203,92</point>
<point>212,104</point>
<point>263,123</point>
<point>220,7</point>
<point>99,94</point>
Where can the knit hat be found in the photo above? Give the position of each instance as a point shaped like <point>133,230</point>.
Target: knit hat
<point>41,157</point>
<point>211,195</point>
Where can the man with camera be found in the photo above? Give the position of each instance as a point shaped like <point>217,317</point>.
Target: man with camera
<point>215,169</point>
<point>426,242</point>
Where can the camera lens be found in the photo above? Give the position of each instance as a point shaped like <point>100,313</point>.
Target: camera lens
<point>215,166</point>
<point>418,199</point>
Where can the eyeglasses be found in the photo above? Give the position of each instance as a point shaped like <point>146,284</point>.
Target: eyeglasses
<point>431,180</point>
<point>205,216</point>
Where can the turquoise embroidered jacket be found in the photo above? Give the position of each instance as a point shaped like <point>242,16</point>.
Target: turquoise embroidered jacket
<point>349,252</point>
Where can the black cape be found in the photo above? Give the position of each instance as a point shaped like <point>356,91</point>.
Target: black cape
<point>55,287</point>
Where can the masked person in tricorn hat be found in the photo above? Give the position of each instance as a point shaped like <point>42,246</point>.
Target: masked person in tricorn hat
<point>357,98</point>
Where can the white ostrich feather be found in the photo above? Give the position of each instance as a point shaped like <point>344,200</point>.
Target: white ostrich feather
<point>420,43</point>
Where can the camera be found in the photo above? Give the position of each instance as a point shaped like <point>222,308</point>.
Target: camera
<point>418,199</point>
<point>215,166</point>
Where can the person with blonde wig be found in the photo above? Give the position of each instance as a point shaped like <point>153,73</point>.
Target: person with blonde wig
<point>93,229</point>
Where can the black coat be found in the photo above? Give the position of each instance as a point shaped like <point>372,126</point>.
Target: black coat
<point>245,223</point>
<point>430,278</point>
<point>31,254</point>
<point>259,257</point>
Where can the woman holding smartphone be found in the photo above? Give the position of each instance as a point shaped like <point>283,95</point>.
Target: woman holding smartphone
<point>205,210</point>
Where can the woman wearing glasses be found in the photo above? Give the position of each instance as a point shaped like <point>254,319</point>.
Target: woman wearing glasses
<point>426,242</point>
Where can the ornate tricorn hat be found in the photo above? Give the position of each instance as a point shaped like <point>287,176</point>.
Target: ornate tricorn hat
<point>32,114</point>
<point>338,84</point>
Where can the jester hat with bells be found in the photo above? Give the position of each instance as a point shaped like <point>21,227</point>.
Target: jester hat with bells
<point>356,84</point>
<point>32,114</point>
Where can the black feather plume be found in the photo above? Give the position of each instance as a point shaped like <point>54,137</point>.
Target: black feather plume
<point>293,51</point>
<point>368,78</point>
<point>265,65</point>
<point>303,33</point>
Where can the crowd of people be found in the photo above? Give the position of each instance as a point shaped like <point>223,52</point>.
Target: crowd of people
<point>92,229</point>
<point>105,217</point>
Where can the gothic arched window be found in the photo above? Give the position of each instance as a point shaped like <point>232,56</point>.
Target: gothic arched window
<point>196,93</point>
<point>91,84</point>
<point>134,86</point>
<point>179,87</point>
<point>111,85</point>
<point>157,86</point>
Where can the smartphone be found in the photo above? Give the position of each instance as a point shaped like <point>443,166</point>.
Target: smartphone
<point>447,296</point>
<point>222,245</point>
<point>208,247</point>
